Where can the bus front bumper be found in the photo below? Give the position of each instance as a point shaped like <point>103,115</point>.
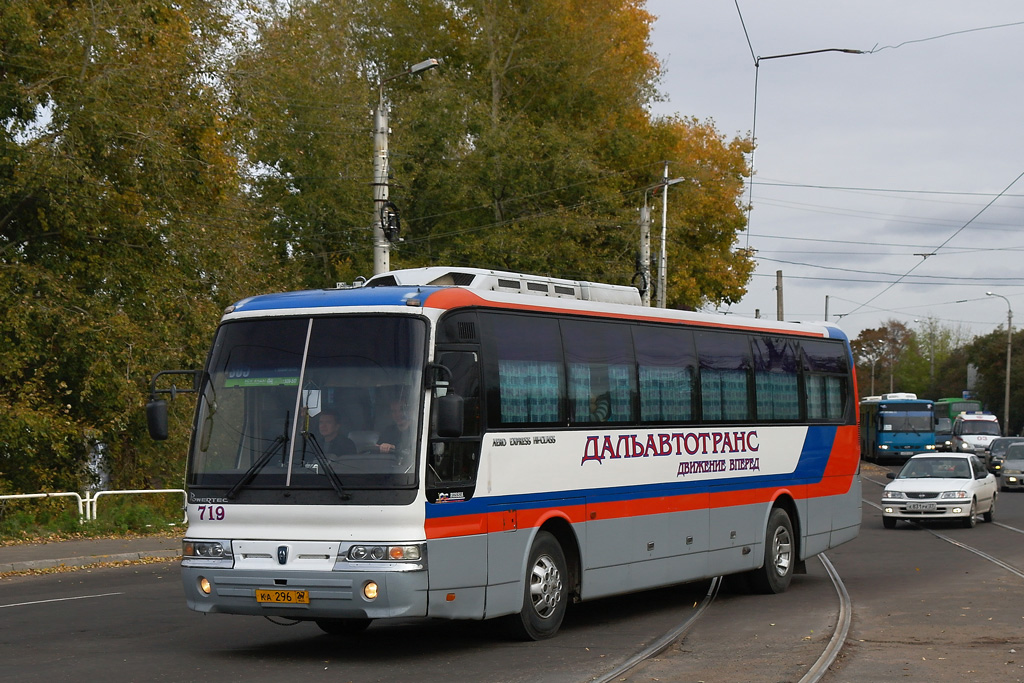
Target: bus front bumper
<point>306,594</point>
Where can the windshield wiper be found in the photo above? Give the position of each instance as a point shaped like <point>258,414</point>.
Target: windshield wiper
<point>260,463</point>
<point>321,458</point>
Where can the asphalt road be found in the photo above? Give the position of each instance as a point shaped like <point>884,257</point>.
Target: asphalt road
<point>923,610</point>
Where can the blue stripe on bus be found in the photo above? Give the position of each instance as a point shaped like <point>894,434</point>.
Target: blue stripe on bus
<point>810,469</point>
<point>323,298</point>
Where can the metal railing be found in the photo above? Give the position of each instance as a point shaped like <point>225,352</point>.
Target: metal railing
<point>87,505</point>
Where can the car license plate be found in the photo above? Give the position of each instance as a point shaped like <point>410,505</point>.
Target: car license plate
<point>921,507</point>
<point>282,597</point>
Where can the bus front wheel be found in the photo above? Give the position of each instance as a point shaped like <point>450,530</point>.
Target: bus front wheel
<point>779,555</point>
<point>545,593</point>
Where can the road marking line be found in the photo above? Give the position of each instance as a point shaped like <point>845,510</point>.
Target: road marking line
<point>42,602</point>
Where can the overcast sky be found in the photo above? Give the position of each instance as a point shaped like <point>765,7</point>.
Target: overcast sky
<point>865,161</point>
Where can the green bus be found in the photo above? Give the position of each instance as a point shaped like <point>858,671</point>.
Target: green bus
<point>951,407</point>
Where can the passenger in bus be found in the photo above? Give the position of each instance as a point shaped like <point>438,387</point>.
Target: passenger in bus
<point>334,442</point>
<point>398,435</point>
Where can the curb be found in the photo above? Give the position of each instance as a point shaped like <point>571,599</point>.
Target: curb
<point>87,560</point>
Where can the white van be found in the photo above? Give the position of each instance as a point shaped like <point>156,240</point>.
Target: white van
<point>974,432</point>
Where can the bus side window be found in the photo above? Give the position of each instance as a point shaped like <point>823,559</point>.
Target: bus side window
<point>724,376</point>
<point>601,384</point>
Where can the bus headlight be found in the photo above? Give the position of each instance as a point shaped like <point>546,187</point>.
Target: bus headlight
<point>206,553</point>
<point>406,554</point>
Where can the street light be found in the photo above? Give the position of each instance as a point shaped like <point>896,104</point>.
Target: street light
<point>1009,346</point>
<point>381,205</point>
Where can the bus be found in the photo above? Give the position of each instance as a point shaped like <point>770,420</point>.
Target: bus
<point>562,443</point>
<point>949,408</point>
<point>896,426</point>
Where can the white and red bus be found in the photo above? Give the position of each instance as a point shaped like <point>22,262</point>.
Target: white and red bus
<point>470,444</point>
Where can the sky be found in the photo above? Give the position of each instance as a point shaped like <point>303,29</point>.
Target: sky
<point>891,182</point>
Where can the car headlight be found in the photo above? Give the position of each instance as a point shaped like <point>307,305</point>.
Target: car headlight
<point>893,494</point>
<point>953,494</point>
<point>966,447</point>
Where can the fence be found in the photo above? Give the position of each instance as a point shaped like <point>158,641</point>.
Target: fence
<point>87,506</point>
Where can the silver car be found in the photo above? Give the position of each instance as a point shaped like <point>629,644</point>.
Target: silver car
<point>940,486</point>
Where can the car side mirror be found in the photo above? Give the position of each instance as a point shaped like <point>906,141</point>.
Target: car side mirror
<point>890,475</point>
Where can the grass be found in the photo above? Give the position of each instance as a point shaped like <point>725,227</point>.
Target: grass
<point>118,517</point>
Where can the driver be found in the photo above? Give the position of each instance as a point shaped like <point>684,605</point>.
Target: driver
<point>334,442</point>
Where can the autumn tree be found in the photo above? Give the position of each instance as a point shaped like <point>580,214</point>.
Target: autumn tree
<point>529,149</point>
<point>881,352</point>
<point>120,237</point>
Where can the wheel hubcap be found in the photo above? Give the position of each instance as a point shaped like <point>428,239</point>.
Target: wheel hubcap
<point>782,551</point>
<point>545,586</point>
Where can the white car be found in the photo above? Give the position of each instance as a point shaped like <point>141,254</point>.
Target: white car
<point>940,486</point>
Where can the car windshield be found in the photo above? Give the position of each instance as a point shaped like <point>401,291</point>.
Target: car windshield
<point>1014,452</point>
<point>1000,446</point>
<point>304,403</point>
<point>936,468</point>
<point>990,427</point>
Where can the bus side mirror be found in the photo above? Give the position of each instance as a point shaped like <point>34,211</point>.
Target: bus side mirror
<point>156,419</point>
<point>449,412</point>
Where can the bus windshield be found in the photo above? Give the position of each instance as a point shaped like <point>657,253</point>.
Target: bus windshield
<point>905,420</point>
<point>325,405</point>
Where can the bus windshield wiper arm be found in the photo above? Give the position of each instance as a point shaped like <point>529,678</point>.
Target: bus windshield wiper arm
<point>321,458</point>
<point>257,466</point>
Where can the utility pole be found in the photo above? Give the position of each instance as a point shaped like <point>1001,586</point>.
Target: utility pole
<point>381,130</point>
<point>645,251</point>
<point>663,259</point>
<point>778,294</point>
<point>381,245</point>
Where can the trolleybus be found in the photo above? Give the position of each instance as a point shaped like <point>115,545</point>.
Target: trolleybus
<point>512,444</point>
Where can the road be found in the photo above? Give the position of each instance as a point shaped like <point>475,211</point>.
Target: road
<point>923,610</point>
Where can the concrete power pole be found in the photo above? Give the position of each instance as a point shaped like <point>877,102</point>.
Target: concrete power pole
<point>381,245</point>
<point>645,251</point>
<point>778,293</point>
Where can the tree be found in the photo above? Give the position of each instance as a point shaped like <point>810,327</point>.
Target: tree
<point>988,352</point>
<point>529,149</point>
<point>884,349</point>
<point>119,234</point>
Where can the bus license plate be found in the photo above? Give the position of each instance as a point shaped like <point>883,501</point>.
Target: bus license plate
<point>920,507</point>
<point>906,452</point>
<point>282,597</point>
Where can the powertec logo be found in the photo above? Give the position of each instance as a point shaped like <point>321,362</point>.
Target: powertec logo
<point>680,444</point>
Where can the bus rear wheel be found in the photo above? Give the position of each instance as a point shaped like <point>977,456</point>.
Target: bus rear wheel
<point>779,555</point>
<point>545,593</point>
